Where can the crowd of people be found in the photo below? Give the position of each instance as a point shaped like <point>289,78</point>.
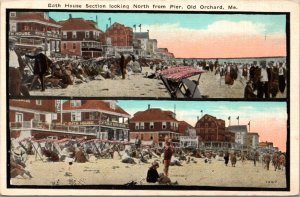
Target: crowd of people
<point>73,151</point>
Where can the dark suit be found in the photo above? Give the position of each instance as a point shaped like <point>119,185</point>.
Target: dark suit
<point>263,87</point>
<point>41,65</point>
<point>122,66</point>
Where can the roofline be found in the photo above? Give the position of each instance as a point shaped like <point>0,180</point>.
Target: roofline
<point>93,110</point>
<point>36,20</point>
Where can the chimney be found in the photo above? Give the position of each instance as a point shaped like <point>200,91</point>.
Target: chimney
<point>70,16</point>
<point>148,106</point>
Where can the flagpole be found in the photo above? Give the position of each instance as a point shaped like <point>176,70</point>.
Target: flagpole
<point>60,111</point>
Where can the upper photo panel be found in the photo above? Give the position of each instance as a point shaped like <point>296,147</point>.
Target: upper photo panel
<point>148,55</point>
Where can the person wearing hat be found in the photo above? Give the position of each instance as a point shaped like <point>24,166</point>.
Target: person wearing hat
<point>265,77</point>
<point>281,77</point>
<point>152,174</point>
<point>41,65</point>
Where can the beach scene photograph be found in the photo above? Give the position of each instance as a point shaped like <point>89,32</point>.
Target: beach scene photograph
<point>150,55</point>
<point>149,143</point>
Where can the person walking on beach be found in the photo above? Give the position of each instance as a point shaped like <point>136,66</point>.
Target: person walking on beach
<point>137,142</point>
<point>267,159</point>
<point>168,151</point>
<point>255,157</point>
<point>226,157</point>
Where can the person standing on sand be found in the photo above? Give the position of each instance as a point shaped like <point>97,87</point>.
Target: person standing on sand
<point>122,66</point>
<point>168,151</point>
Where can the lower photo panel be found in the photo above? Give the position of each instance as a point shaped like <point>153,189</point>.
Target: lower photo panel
<point>152,144</point>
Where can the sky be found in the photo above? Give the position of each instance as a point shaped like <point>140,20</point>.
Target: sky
<point>268,119</point>
<point>202,35</point>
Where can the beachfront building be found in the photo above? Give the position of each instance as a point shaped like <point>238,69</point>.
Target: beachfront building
<point>80,37</point>
<point>28,117</point>
<point>116,39</point>
<point>104,119</point>
<point>71,119</point>
<point>240,132</point>
<point>152,125</point>
<point>163,53</point>
<point>212,132</point>
<point>140,44</point>
<point>35,30</point>
<point>252,140</point>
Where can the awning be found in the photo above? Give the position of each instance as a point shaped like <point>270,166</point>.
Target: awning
<point>179,73</point>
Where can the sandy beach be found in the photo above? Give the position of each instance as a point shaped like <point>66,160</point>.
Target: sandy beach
<point>139,86</point>
<point>112,171</point>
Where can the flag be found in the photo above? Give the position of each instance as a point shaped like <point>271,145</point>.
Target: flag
<point>140,25</point>
<point>229,118</point>
<point>134,26</point>
<point>238,118</point>
<point>201,111</point>
<point>109,18</point>
<point>249,123</point>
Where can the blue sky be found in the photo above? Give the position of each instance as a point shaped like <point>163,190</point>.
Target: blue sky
<point>189,110</point>
<point>273,23</point>
<point>268,119</point>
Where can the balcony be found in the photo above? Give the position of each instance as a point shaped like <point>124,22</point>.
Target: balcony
<point>36,34</point>
<point>43,126</point>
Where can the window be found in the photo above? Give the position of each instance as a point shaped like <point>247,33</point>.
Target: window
<point>142,136</point>
<point>37,117</point>
<point>92,115</point>
<point>74,34</point>
<point>206,124</point>
<point>12,14</point>
<point>87,34</point>
<point>136,125</point>
<point>65,46</point>
<point>19,117</point>
<point>74,45</point>
<point>76,116</point>
<point>142,126</point>
<point>64,34</point>
<point>164,125</point>
<point>75,103</point>
<point>151,125</point>
<point>38,102</point>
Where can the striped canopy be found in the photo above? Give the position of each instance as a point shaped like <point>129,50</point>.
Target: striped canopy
<point>179,73</point>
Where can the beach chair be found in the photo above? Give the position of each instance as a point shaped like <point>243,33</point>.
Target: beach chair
<point>178,84</point>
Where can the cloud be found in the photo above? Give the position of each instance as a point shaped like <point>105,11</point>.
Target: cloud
<point>220,39</point>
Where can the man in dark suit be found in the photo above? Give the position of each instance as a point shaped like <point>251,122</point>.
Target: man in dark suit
<point>41,65</point>
<point>122,66</point>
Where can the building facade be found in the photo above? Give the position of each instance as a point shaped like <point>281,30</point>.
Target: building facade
<point>80,37</point>
<point>116,39</point>
<point>252,140</point>
<point>89,119</point>
<point>35,30</point>
<point>212,132</point>
<point>104,119</point>
<point>152,125</point>
<point>240,132</point>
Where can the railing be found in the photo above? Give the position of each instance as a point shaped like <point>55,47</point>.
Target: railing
<point>51,127</point>
<point>30,41</point>
<point>36,33</point>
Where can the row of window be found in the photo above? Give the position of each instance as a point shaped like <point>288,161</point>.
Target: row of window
<point>141,125</point>
<point>87,34</point>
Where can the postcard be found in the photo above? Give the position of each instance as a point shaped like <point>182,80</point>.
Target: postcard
<point>139,98</point>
